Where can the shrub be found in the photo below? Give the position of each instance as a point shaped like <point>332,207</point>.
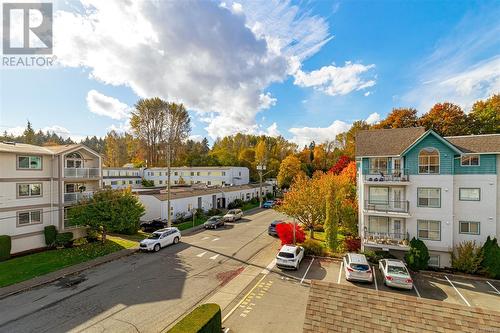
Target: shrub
<point>80,241</point>
<point>490,265</point>
<point>468,257</point>
<point>417,257</point>
<point>237,203</point>
<point>313,247</point>
<point>269,196</point>
<point>5,247</point>
<point>352,244</point>
<point>92,235</point>
<point>254,201</point>
<point>206,318</point>
<point>214,211</point>
<point>50,233</point>
<point>285,233</point>
<point>64,239</point>
<point>375,256</point>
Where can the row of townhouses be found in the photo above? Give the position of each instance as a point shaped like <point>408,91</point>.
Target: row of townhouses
<point>38,185</point>
<point>210,176</point>
<point>415,183</point>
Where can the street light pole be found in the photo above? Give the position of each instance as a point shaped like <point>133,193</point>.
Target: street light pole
<point>260,168</point>
<point>169,221</point>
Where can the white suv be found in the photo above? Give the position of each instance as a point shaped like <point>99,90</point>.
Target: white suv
<point>160,238</point>
<point>233,215</point>
<point>290,256</point>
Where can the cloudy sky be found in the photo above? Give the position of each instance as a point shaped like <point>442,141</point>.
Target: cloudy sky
<point>302,69</point>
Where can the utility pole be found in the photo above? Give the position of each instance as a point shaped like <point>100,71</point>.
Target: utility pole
<point>169,219</point>
<point>260,168</point>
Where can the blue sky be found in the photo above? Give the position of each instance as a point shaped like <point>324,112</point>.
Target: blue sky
<point>305,70</point>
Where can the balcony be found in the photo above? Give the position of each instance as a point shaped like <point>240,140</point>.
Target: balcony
<point>398,207</point>
<point>82,172</point>
<point>373,176</point>
<point>74,197</point>
<point>397,241</point>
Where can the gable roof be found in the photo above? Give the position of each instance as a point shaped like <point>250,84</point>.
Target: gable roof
<point>486,143</point>
<point>24,148</point>
<point>386,142</point>
<point>440,138</point>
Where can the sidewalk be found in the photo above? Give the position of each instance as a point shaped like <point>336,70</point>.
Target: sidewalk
<point>53,276</point>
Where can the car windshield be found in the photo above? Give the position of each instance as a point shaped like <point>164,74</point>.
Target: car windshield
<point>154,236</point>
<point>397,270</point>
<point>231,212</point>
<point>360,267</point>
<point>285,255</point>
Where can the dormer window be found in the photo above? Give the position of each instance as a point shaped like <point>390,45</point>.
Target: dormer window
<point>428,161</point>
<point>469,160</point>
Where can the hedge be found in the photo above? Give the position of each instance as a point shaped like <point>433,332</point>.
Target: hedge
<point>64,239</point>
<point>417,257</point>
<point>5,247</point>
<point>206,318</point>
<point>50,233</point>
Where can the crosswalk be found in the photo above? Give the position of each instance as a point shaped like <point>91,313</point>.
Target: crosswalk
<point>211,255</point>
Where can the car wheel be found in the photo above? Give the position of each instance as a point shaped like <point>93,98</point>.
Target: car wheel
<point>157,248</point>
<point>176,240</point>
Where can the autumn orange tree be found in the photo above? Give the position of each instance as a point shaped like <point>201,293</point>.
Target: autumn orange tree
<point>446,119</point>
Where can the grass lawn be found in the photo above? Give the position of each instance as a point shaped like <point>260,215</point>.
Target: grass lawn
<point>26,267</point>
<point>320,236</point>
<point>249,205</point>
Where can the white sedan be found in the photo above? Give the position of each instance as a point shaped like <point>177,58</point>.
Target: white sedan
<point>395,274</point>
<point>290,256</point>
<point>160,238</point>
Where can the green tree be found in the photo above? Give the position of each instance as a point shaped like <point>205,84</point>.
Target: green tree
<point>108,211</point>
<point>417,256</point>
<point>29,134</point>
<point>485,116</point>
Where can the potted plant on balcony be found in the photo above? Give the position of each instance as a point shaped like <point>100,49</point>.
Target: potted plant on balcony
<point>82,188</point>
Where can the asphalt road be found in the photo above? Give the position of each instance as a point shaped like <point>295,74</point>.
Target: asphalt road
<point>145,292</point>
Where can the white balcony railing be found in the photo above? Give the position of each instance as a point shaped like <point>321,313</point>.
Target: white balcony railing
<point>387,238</point>
<point>82,172</point>
<point>76,196</point>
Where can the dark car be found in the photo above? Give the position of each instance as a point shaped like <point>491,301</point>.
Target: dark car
<point>214,222</point>
<point>271,230</point>
<point>153,225</point>
<point>268,204</point>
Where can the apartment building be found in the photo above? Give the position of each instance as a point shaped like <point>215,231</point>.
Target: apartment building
<point>415,183</point>
<point>37,184</point>
<point>211,176</point>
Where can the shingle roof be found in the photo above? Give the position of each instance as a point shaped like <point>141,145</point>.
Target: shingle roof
<point>22,148</point>
<point>386,142</point>
<point>338,308</point>
<point>487,143</point>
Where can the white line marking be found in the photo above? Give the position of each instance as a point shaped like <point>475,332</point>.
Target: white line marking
<point>206,237</point>
<point>375,278</point>
<point>416,290</point>
<point>214,257</point>
<point>307,270</point>
<point>458,292</point>
<point>492,286</point>
<point>226,330</point>
<point>340,271</point>
<point>215,239</point>
<point>269,267</point>
<point>201,254</point>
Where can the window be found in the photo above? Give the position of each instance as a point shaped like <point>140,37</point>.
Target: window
<point>468,227</point>
<point>397,164</point>
<point>379,195</point>
<point>429,197</point>
<point>176,173</point>
<point>433,260</point>
<point>469,160</point>
<point>29,190</point>
<point>428,161</point>
<point>29,162</point>
<point>378,164</point>
<point>114,182</point>
<point>427,229</point>
<point>192,173</point>
<point>74,160</point>
<point>223,173</point>
<point>469,194</point>
<point>161,182</point>
<point>198,173</point>
<point>29,217</point>
<point>378,224</point>
<point>209,183</point>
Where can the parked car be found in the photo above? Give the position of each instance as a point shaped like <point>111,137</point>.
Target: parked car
<point>153,225</point>
<point>356,268</point>
<point>233,215</point>
<point>278,202</point>
<point>214,222</point>
<point>160,238</point>
<point>290,256</point>
<point>395,274</point>
<point>268,204</point>
<point>271,230</point>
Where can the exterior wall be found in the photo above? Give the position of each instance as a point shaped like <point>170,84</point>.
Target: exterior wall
<point>118,178</point>
<point>446,155</point>
<point>199,175</point>
<point>498,198</point>
<point>487,165</point>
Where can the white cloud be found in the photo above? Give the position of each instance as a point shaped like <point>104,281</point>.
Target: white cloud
<point>196,137</point>
<point>16,131</point>
<point>305,135</point>
<point>373,118</point>
<point>266,101</point>
<point>272,130</point>
<point>216,62</point>
<point>368,93</point>
<point>333,80</point>
<point>107,106</point>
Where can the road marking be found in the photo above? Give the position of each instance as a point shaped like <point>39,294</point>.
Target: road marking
<point>340,271</point>
<point>226,330</point>
<point>206,237</point>
<point>307,270</point>
<point>201,254</point>
<point>416,290</point>
<point>492,286</point>
<point>269,267</point>
<point>215,239</point>
<point>375,278</point>
<point>250,292</point>
<point>214,257</point>
<point>458,292</point>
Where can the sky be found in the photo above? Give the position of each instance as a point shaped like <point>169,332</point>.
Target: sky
<point>301,69</point>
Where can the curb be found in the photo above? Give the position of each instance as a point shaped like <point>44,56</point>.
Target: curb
<point>56,275</point>
<point>468,277</point>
